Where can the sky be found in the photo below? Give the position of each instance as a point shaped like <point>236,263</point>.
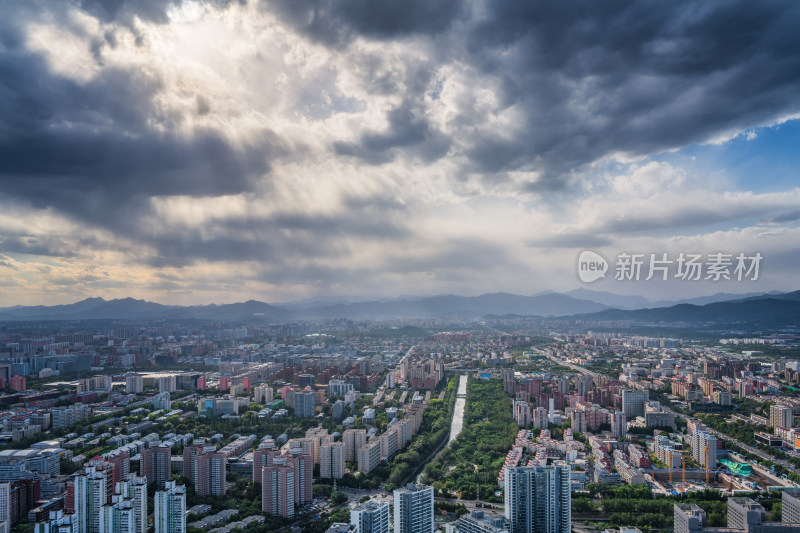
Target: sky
<point>196,152</point>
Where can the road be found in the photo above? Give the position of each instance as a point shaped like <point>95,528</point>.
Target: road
<point>576,368</point>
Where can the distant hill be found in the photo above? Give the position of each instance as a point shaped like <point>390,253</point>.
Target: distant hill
<point>774,311</point>
<point>622,301</point>
<point>550,304</point>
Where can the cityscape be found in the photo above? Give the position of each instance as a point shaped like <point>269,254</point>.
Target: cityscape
<point>346,266</point>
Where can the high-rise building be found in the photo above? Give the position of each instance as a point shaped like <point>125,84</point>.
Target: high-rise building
<point>688,518</point>
<point>790,508</point>
<point>578,419</point>
<point>538,499</point>
<point>522,414</point>
<point>209,470</point>
<point>619,424</point>
<point>337,411</point>
<point>633,402</point>
<point>134,384</point>
<point>540,418</point>
<point>156,465</point>
<point>167,383</point>
<point>371,517</point>
<point>306,380</point>
<point>17,383</point>
<point>170,509</point>
<point>86,496</point>
<point>189,453</point>
<point>318,437</point>
<point>331,460</point>
<point>132,489</point>
<point>369,456</point>
<point>162,401</point>
<point>780,416</point>
<point>5,504</point>
<point>743,512</point>
<point>704,449</point>
<point>118,517</point>
<point>304,474</point>
<point>278,489</point>
<point>263,394</point>
<point>413,509</point>
<point>353,440</point>
<point>120,461</point>
<point>304,403</point>
<point>390,442</point>
<point>263,457</point>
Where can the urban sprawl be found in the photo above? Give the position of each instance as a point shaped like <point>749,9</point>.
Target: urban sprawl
<point>498,426</point>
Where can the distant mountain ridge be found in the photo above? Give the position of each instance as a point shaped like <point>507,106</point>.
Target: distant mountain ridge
<point>767,311</point>
<point>548,304</point>
<point>784,308</point>
<point>620,301</point>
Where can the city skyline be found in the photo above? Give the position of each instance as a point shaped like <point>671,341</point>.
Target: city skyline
<point>199,152</point>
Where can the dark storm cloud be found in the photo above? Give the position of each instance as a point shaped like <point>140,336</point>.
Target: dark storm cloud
<point>588,79</point>
<point>579,81</point>
<point>407,130</point>
<point>595,78</point>
<point>445,261</point>
<point>47,245</point>
<point>282,239</point>
<point>87,150</point>
<point>336,22</point>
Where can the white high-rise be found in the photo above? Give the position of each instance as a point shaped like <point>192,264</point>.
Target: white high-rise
<point>90,496</point>
<point>134,489</point>
<point>119,517</point>
<point>704,449</point>
<point>170,509</point>
<point>371,517</point>
<point>413,509</point>
<point>538,499</point>
<point>5,504</point>
<point>331,460</point>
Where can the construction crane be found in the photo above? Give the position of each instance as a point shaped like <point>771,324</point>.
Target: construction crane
<point>684,469</point>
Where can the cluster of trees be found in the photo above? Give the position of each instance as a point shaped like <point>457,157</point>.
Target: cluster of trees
<point>433,432</point>
<point>459,509</point>
<point>625,505</point>
<point>605,367</point>
<point>473,461</point>
<point>740,431</point>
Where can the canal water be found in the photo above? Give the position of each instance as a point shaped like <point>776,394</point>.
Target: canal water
<point>457,424</point>
<point>458,413</point>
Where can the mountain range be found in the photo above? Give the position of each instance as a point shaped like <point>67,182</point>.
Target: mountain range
<point>771,308</point>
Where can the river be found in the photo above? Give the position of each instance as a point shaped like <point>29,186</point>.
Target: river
<point>458,414</point>
<point>457,424</point>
